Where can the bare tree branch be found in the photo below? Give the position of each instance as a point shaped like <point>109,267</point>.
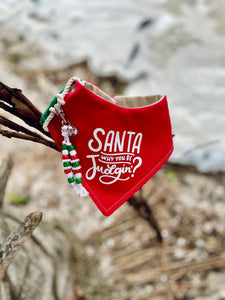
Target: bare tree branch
<point>11,125</point>
<point>13,101</point>
<point>8,108</point>
<point>12,134</point>
<point>14,242</point>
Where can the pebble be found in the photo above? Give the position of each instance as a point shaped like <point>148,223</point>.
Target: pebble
<point>164,278</point>
<point>179,253</point>
<point>207,227</point>
<point>175,222</point>
<point>165,233</point>
<point>148,288</point>
<point>181,242</point>
<point>110,242</point>
<point>199,243</point>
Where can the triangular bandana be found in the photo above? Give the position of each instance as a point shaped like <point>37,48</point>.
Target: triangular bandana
<point>122,142</point>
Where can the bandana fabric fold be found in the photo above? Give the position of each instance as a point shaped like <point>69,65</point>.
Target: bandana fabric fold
<point>121,142</point>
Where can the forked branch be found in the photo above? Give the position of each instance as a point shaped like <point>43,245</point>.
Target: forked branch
<point>15,103</point>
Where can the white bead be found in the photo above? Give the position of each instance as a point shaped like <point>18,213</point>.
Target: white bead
<point>66,168</point>
<point>64,130</point>
<point>78,175</point>
<point>65,152</point>
<point>66,160</point>
<point>69,175</point>
<point>75,160</point>
<point>73,152</point>
<point>77,168</point>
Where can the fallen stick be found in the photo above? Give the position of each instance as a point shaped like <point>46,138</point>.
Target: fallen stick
<point>14,242</point>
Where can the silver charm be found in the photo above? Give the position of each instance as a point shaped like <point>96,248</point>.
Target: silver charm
<point>72,130</point>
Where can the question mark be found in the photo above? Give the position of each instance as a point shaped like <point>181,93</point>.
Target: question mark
<point>137,165</point>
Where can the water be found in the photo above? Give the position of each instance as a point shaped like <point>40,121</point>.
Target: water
<point>168,47</point>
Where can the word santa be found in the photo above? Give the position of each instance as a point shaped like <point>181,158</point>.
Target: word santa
<point>115,141</point>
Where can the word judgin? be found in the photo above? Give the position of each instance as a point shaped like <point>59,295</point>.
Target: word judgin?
<point>115,156</point>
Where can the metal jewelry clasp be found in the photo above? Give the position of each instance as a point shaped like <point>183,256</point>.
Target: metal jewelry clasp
<point>66,126</point>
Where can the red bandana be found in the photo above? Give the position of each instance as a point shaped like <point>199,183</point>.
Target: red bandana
<point>119,148</point>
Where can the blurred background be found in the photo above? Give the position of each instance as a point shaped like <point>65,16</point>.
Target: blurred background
<point>132,48</point>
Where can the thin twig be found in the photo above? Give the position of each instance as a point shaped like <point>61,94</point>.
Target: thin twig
<point>12,134</point>
<point>18,94</point>
<point>11,125</point>
<point>5,170</point>
<point>14,242</point>
<point>9,109</point>
<point>8,95</point>
<point>145,212</point>
<point>177,269</point>
<point>13,101</point>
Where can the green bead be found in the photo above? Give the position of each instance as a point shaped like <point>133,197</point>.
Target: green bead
<point>71,179</point>
<point>64,147</point>
<point>78,180</point>
<point>71,147</point>
<point>66,164</point>
<point>76,164</point>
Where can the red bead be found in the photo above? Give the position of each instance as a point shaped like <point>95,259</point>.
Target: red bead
<point>65,157</point>
<point>67,171</point>
<point>76,170</point>
<point>74,157</point>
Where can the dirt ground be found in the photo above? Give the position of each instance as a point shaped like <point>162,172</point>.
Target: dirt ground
<point>189,207</point>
